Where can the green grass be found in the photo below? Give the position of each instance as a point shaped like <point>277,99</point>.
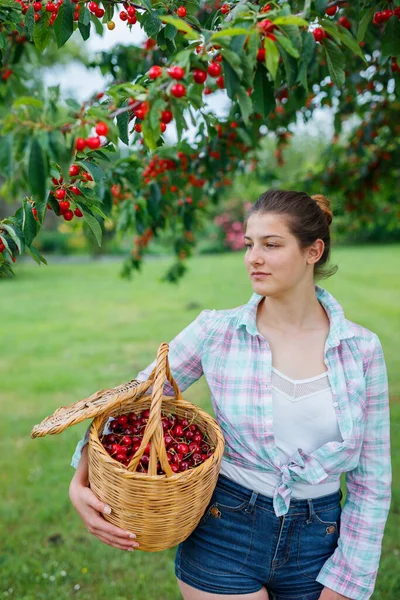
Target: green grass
<point>69,330</point>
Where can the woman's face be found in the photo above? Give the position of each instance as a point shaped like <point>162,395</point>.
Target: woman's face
<point>272,249</point>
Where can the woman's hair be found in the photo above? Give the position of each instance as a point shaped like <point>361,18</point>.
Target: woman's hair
<point>308,218</point>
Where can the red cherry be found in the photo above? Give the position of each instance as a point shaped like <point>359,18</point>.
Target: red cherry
<point>181,12</point>
<point>34,212</point>
<point>37,6</point>
<point>198,438</point>
<point>168,439</point>
<point>131,10</point>
<point>78,212</point>
<point>332,10</point>
<point>176,72</point>
<point>99,13</point>
<point>50,7</point>
<point>155,71</point>
<point>193,428</point>
<point>184,423</point>
<point>386,14</point>
<point>138,127</point>
<point>319,34</point>
<point>183,448</point>
<point>174,468</point>
<point>266,25</point>
<point>214,69</point>
<point>123,15</point>
<point>225,9</point>
<point>178,431</point>
<point>93,142</point>
<point>344,22</point>
<point>132,20</point>
<point>74,170</point>
<point>163,127</point>
<point>166,116</point>
<point>178,90</point>
<point>60,194</point>
<point>68,215</point>
<point>93,6</point>
<point>194,447</point>
<point>261,55</point>
<point>266,8</point>
<point>220,82</point>
<point>126,441</point>
<point>36,17</point>
<point>87,176</point>
<point>101,129</point>
<point>122,420</point>
<point>184,465</point>
<point>199,76</point>
<point>80,144</point>
<point>64,206</point>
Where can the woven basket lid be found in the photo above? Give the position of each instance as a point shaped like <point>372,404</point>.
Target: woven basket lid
<point>102,400</point>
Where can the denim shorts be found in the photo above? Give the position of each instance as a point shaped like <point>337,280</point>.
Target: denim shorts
<point>240,544</point>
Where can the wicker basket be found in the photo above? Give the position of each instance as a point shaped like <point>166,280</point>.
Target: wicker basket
<point>162,510</point>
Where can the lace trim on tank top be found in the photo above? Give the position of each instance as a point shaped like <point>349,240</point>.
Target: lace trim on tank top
<point>297,389</point>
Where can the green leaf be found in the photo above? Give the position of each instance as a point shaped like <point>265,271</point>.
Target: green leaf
<point>271,56</point>
<point>28,101</point>
<point>291,20</point>
<point>350,41</point>
<point>64,23</point>
<point>84,23</point>
<point>42,32</point>
<point>29,224</point>
<point>231,31</point>
<point>94,225</point>
<point>320,6</point>
<point>286,43</point>
<point>307,55</point>
<point>263,96</point>
<point>97,24</point>
<point>335,60</point>
<point>94,170</point>
<point>37,172</point>
<point>290,65</point>
<point>36,255</point>
<point>30,21</point>
<point>365,21</point>
<point>149,136</point>
<point>170,31</point>
<point>15,234</point>
<point>232,81</point>
<point>122,122</point>
<point>246,105</point>
<point>391,37</point>
<point>181,25</point>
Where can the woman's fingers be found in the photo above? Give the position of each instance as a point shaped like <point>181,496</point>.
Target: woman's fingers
<point>117,542</point>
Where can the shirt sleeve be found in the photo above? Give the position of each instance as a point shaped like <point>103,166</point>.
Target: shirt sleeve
<point>184,357</point>
<point>353,567</point>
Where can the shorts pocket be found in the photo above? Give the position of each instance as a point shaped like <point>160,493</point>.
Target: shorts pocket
<point>318,539</point>
<point>221,543</point>
<point>225,500</point>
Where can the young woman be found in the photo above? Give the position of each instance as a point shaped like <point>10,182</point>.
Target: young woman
<point>301,394</point>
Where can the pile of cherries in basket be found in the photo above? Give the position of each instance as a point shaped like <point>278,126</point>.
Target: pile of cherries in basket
<point>186,445</point>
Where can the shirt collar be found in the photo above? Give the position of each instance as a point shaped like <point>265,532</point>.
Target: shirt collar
<point>339,328</point>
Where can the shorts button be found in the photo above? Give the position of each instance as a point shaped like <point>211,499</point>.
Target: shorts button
<point>330,529</point>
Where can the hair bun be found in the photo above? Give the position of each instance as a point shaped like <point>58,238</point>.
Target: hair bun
<point>324,205</point>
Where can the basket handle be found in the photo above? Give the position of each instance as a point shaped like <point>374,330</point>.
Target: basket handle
<point>154,430</point>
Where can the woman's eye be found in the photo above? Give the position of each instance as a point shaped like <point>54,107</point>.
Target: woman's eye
<point>268,245</point>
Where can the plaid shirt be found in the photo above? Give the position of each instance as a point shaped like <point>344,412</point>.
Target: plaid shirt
<point>226,346</point>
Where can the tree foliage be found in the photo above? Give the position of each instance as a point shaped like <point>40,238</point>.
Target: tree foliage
<point>107,158</point>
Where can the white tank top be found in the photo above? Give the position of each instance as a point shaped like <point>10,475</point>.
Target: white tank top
<point>303,417</point>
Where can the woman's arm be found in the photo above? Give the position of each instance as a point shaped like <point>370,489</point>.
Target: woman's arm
<point>353,567</point>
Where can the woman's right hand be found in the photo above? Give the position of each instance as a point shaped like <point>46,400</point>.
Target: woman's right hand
<point>90,510</point>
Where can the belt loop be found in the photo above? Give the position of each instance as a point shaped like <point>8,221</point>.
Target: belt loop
<point>310,510</point>
<point>252,501</point>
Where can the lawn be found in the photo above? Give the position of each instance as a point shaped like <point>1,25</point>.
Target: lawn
<point>68,330</point>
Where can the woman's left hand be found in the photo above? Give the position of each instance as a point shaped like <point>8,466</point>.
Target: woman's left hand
<point>328,594</point>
